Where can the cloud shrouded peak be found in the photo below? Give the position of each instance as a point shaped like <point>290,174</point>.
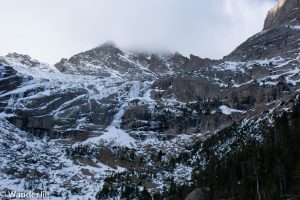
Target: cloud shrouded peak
<point>50,30</point>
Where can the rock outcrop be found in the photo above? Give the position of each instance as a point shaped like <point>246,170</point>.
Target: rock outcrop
<point>279,37</point>
<point>286,12</point>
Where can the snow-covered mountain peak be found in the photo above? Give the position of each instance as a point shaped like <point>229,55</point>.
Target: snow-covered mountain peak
<point>108,60</point>
<point>105,61</point>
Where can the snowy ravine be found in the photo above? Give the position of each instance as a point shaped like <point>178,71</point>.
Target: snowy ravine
<point>113,133</point>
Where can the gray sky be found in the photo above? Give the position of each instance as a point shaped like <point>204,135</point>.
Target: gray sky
<point>53,29</point>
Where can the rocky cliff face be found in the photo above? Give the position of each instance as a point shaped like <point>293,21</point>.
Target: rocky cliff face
<point>279,38</point>
<point>286,12</point>
<point>123,123</point>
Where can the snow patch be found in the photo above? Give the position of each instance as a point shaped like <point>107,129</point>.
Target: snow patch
<point>228,111</point>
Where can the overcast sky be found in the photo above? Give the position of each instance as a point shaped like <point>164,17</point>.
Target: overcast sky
<point>53,29</point>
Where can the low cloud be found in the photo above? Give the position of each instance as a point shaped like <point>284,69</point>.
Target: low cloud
<point>50,30</point>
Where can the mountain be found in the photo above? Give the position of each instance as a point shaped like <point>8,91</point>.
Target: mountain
<point>109,123</point>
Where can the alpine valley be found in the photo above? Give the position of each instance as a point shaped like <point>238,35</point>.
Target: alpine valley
<point>113,124</point>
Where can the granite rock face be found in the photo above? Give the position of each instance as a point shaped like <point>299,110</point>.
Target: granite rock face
<point>280,41</point>
<point>278,38</point>
<point>9,79</point>
<point>286,12</point>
